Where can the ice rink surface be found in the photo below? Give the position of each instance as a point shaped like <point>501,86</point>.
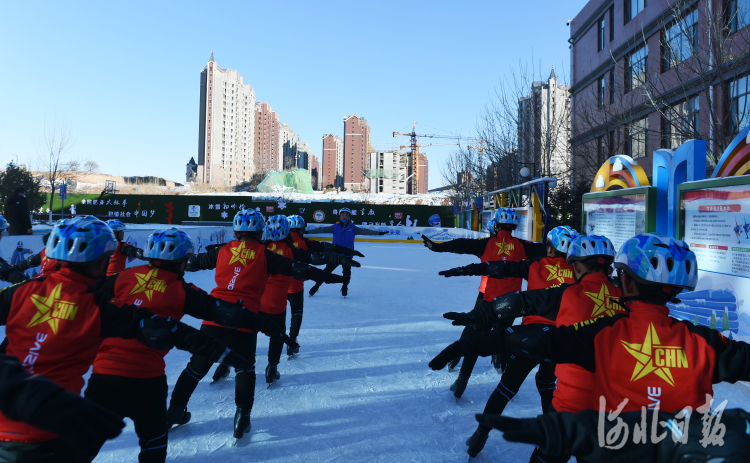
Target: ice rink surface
<point>360,389</point>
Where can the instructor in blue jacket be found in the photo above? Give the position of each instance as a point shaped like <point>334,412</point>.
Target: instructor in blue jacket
<point>343,235</point>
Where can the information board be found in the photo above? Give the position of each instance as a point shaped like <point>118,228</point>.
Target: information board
<point>717,228</point>
<point>616,217</point>
<point>522,231</point>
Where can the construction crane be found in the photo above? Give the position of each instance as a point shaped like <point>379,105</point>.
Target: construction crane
<point>413,156</point>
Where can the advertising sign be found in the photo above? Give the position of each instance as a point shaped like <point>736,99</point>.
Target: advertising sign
<point>618,215</point>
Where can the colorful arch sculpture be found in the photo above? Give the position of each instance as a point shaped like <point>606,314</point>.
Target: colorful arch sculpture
<point>736,158</point>
<point>619,171</point>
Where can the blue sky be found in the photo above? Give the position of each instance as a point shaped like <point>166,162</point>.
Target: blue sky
<point>125,76</point>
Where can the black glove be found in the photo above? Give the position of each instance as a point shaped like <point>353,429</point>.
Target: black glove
<point>459,318</point>
<point>139,254</point>
<point>156,332</point>
<point>467,270</point>
<point>528,430</point>
<point>526,340</point>
<point>229,314</point>
<point>333,278</point>
<point>81,423</point>
<point>428,243</point>
<point>357,253</point>
<point>508,305</point>
<point>340,259</point>
<point>383,233</point>
<point>449,353</point>
<point>192,264</point>
<point>497,269</point>
<point>235,360</point>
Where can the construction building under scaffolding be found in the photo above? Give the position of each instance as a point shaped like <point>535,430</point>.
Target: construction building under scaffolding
<point>388,172</point>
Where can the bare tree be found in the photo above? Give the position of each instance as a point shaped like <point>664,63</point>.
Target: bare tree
<point>91,167</point>
<point>54,156</point>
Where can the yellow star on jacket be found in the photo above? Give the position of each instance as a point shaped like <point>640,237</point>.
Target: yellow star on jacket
<point>51,309</point>
<point>504,248</point>
<point>555,272</point>
<point>652,357</point>
<point>241,255</point>
<point>603,301</point>
<point>147,283</point>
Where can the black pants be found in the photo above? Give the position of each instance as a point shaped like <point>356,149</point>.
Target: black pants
<point>347,272</point>
<point>540,457</point>
<point>142,400</point>
<point>244,389</point>
<point>516,371</point>
<point>276,345</point>
<point>51,451</point>
<point>469,361</point>
<point>296,303</point>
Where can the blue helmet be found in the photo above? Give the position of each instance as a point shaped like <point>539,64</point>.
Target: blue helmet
<point>296,221</point>
<point>277,228</point>
<point>345,209</point>
<point>248,220</point>
<point>652,259</point>
<point>3,223</point>
<point>169,244</point>
<point>491,227</point>
<point>591,248</point>
<point>434,220</point>
<point>80,239</point>
<point>506,215</point>
<point>116,225</point>
<point>561,238</point>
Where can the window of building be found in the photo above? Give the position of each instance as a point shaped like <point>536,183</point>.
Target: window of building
<point>611,86</point>
<point>636,138</point>
<point>738,110</point>
<point>635,68</point>
<point>600,151</point>
<point>738,14</point>
<point>680,41</point>
<point>632,8</point>
<point>600,35</point>
<point>601,92</point>
<point>611,23</point>
<point>681,123</point>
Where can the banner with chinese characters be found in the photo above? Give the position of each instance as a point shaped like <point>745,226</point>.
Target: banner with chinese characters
<point>178,209</point>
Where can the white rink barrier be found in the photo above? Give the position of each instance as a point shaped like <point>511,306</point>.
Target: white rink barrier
<point>408,233</point>
<point>16,248</point>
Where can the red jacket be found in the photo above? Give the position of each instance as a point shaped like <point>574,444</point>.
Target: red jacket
<point>297,286</point>
<point>649,358</point>
<point>593,297</point>
<point>54,326</point>
<point>506,248</point>
<point>48,265</point>
<point>546,273</point>
<point>241,274</point>
<point>277,286</point>
<point>166,294</point>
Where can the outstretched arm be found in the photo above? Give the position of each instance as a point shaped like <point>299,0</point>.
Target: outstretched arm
<point>131,251</point>
<point>280,265</point>
<point>319,230</point>
<point>458,246</point>
<point>204,261</point>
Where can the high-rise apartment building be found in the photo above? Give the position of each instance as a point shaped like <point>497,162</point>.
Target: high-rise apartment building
<point>303,155</point>
<point>268,154</point>
<point>356,146</point>
<point>287,146</point>
<point>332,169</point>
<point>226,129</point>
<point>421,173</point>
<point>315,171</point>
<point>387,172</point>
<point>544,129</point>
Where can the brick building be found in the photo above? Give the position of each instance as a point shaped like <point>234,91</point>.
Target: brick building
<point>356,147</point>
<point>332,170</point>
<point>268,153</point>
<point>642,78</point>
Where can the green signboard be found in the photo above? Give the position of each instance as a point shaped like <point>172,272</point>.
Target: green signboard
<point>178,209</point>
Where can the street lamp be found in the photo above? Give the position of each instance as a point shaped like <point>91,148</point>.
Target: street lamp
<point>525,172</point>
